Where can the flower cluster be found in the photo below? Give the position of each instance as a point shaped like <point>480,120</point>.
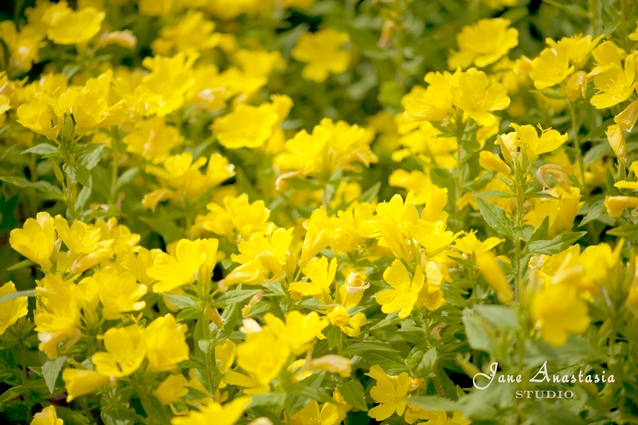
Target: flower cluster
<point>305,212</point>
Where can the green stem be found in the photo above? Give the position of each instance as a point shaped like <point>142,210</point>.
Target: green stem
<point>459,157</point>
<point>520,199</point>
<point>70,197</point>
<point>85,408</point>
<point>579,154</point>
<point>114,175</point>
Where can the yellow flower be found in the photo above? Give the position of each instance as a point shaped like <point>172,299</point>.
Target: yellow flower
<point>331,146</point>
<point>616,140</point>
<point>483,43</point>
<point>389,392</point>
<point>350,326</point>
<point>551,67</point>
<point>489,161</point>
<point>155,7</point>
<point>321,276</point>
<point>58,314</point>
<point>79,382</point>
<point>435,102</point>
<point>614,84</point>
<point>617,204</point>
<point>476,99</point>
<point>263,354</point>
<point>37,116</point>
<point>92,109</point>
<point>576,86</point>
<point>171,389</point>
<point>22,45</point>
<point>577,47</point>
<point>627,118</point>
<point>80,237</point>
<point>237,219</point>
<point>260,255</point>
<point>322,51</point>
<point>557,311</point>
<point>75,27</point>
<point>632,298</point>
<point>299,330</point>
<point>330,414</point>
<point>153,139</point>
<point>252,126</point>
<point>173,271</point>
<point>494,276</point>
<point>11,310</point>
<point>119,292</point>
<point>404,292</point>
<point>164,88</point>
<point>47,416</point>
<point>124,352</point>
<point>36,239</point>
<point>561,209</point>
<point>165,343</point>
<point>124,39</point>
<point>560,173</point>
<point>534,146</point>
<point>228,414</point>
<point>191,32</point>
<point>225,355</point>
<point>333,364</point>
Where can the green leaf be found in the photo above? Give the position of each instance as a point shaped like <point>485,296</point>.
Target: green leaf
<point>181,301</point>
<point>235,296</point>
<point>24,263</point>
<point>426,364</point>
<point>18,294</point>
<point>626,231</point>
<point>42,149</point>
<point>548,94</point>
<point>112,416</point>
<point>51,371</point>
<point>496,217</point>
<point>127,176</point>
<point>154,408</point>
<point>499,315</point>
<point>334,336</point>
<point>495,194</point>
<point>270,399</point>
<point>12,393</point>
<point>44,189</point>
<point>90,160</point>
<point>465,262</point>
<point>481,182</point>
<point>477,336</point>
<point>541,233</point>
<point>597,152</point>
<point>559,244</point>
<point>361,348</point>
<point>611,181</point>
<point>432,402</point>
<point>524,231</point>
<point>70,69</point>
<point>598,131</point>
<point>369,195</point>
<point>166,228</point>
<point>312,393</point>
<point>78,172</point>
<point>392,363</point>
<point>353,393</point>
<point>596,209</point>
<point>71,417</point>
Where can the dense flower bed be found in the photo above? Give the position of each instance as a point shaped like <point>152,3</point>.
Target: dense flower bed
<point>315,212</point>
